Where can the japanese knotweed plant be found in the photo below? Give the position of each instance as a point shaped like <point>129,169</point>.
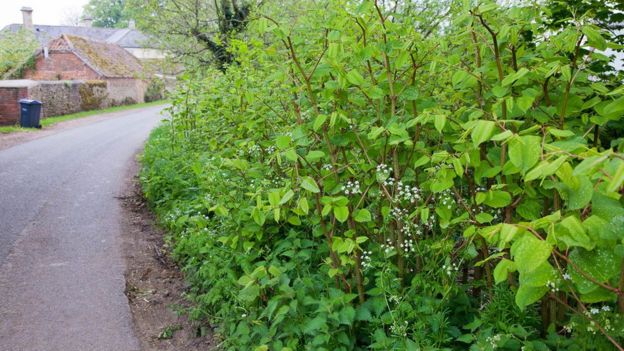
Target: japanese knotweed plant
<point>394,165</point>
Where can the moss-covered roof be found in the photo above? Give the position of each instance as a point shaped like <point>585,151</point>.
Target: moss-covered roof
<point>109,60</point>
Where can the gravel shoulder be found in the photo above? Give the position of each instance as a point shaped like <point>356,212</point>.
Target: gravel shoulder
<point>155,286</point>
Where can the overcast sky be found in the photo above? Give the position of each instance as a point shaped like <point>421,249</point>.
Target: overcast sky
<point>45,11</point>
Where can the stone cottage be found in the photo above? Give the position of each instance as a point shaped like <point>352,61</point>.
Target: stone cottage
<point>130,39</point>
<point>75,58</point>
<point>74,74</point>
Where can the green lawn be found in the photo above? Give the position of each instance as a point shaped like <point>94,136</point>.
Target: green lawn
<point>48,121</point>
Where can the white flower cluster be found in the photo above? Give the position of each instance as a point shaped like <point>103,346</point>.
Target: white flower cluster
<point>270,149</point>
<point>431,221</point>
<point>278,181</point>
<point>399,329</point>
<point>450,269</point>
<point>407,193</point>
<point>366,259</point>
<point>446,199</point>
<point>407,245</point>
<point>552,286</point>
<point>387,247</point>
<point>567,276</point>
<point>254,150</point>
<point>389,182</point>
<point>383,168</point>
<point>398,213</point>
<point>494,340</point>
<point>410,229</point>
<point>352,188</point>
<point>327,167</point>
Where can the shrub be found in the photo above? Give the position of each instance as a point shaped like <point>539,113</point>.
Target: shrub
<point>360,181</point>
<point>155,90</point>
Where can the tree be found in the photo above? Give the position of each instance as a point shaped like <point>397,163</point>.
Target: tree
<point>107,13</point>
<point>197,29</point>
<point>15,51</point>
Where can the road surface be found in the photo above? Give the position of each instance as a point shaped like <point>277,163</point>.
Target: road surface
<point>61,266</point>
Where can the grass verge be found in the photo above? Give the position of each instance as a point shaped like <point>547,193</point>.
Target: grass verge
<point>48,121</point>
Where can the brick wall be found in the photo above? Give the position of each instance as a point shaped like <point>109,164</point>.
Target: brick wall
<point>60,66</point>
<point>9,106</point>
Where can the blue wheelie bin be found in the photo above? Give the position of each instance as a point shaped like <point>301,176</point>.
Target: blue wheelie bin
<point>30,113</point>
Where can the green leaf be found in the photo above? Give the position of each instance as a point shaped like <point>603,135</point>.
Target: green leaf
<point>458,78</point>
<point>614,107</point>
<point>525,102</point>
<point>579,196</point>
<point>362,216</point>
<point>497,198</point>
<point>502,136</point>
<point>315,155</point>
<point>571,232</point>
<point>482,132</point>
<point>423,160</point>
<point>303,205</point>
<point>525,151</point>
<point>314,325</point>
<point>527,295</point>
<point>484,217</point>
<point>594,37</point>
<point>617,179</point>
<point>530,252</point>
<point>545,169</point>
<point>510,79</point>
<point>282,141</point>
<point>289,195</point>
<point>341,213</point>
<point>502,270</point>
<point>374,134</point>
<point>309,184</point>
<point>291,155</point>
<point>600,264</point>
<point>439,121</point>
<point>355,78</point>
<point>319,121</point>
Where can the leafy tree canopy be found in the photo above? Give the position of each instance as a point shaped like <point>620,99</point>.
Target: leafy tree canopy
<point>107,13</point>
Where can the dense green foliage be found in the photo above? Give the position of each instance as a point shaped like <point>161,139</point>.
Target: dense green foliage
<point>16,49</point>
<point>366,179</point>
<point>107,13</point>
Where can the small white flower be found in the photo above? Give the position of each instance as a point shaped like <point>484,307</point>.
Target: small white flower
<point>594,311</point>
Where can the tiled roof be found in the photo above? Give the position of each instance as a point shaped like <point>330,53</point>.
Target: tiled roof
<point>107,59</point>
<point>126,38</point>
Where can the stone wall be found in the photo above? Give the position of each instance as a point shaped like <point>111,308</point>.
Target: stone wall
<point>66,97</point>
<point>123,91</point>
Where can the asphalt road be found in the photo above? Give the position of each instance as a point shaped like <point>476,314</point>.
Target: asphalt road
<point>61,266</point>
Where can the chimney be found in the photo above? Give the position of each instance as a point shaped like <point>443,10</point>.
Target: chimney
<point>27,18</point>
<point>131,24</point>
<point>86,21</point>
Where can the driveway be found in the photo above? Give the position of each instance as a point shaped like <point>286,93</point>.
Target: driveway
<point>61,265</point>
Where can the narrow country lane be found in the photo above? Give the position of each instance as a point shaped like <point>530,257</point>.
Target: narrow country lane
<point>61,266</point>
